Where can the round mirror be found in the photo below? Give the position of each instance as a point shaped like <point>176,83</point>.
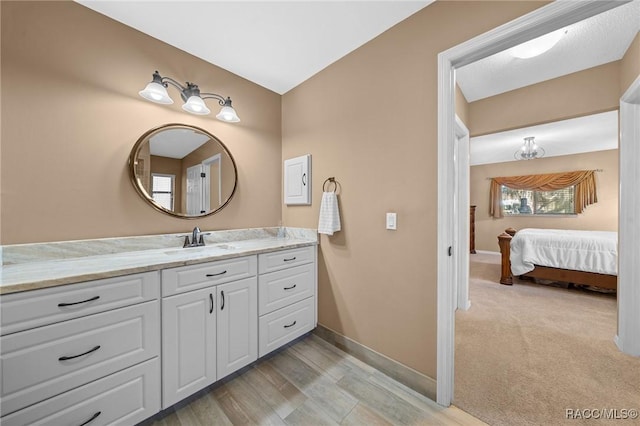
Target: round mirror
<point>183,171</point>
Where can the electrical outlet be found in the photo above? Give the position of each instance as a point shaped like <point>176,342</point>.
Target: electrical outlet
<point>391,221</point>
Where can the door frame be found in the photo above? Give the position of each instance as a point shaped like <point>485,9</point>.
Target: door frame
<point>628,337</point>
<point>463,228</point>
<point>548,18</point>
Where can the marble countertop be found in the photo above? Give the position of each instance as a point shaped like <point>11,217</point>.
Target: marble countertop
<point>54,272</point>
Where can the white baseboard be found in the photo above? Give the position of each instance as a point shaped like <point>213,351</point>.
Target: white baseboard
<point>488,252</point>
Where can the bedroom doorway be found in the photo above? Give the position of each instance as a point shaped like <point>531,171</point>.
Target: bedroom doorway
<point>544,20</point>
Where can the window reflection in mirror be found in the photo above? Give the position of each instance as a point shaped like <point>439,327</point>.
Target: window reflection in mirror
<point>183,170</point>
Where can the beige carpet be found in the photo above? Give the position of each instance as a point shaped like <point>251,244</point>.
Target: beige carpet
<point>526,353</point>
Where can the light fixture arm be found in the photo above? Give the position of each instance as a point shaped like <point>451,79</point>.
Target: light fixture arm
<point>221,99</point>
<point>165,81</point>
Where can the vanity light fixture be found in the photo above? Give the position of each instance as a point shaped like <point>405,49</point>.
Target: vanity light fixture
<point>537,46</point>
<point>529,150</point>
<point>156,91</point>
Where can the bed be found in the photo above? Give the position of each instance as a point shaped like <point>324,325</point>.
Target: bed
<point>577,257</point>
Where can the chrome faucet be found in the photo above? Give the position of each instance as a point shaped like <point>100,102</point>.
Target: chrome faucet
<point>195,234</point>
<point>197,238</point>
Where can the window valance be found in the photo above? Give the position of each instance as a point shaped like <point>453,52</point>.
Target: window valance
<point>583,180</point>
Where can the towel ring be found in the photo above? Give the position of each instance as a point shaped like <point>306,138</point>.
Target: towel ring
<point>330,181</point>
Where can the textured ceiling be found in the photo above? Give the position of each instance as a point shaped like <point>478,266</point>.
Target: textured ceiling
<point>595,41</point>
<point>276,44</point>
<point>584,134</point>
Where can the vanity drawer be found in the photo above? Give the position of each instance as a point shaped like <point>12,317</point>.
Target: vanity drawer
<point>282,326</point>
<point>29,309</point>
<point>46,361</point>
<point>127,397</point>
<point>281,288</point>
<point>193,277</point>
<point>277,260</point>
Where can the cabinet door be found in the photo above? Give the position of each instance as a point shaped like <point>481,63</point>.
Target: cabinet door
<point>237,325</point>
<point>297,180</point>
<point>188,344</point>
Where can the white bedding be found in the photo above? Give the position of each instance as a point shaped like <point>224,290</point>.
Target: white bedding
<point>590,251</point>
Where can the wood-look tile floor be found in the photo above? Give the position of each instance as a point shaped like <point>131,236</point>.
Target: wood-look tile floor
<point>311,383</point>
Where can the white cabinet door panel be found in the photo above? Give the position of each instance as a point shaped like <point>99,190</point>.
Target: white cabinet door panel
<point>297,180</point>
<point>188,345</point>
<point>237,325</point>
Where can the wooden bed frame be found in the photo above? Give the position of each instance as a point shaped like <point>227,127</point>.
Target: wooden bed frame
<point>547,273</point>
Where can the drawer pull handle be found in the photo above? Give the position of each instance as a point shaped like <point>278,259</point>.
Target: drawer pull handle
<point>66,358</point>
<point>77,303</point>
<point>291,325</point>
<point>289,260</point>
<point>290,288</point>
<point>222,307</point>
<point>95,416</point>
<point>215,275</point>
<point>210,303</point>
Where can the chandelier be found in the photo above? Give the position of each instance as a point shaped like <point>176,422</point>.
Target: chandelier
<point>529,150</point>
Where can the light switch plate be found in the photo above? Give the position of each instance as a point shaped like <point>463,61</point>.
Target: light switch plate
<point>391,221</point>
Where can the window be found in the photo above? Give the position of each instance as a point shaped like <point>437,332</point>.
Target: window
<point>522,201</point>
<point>162,190</point>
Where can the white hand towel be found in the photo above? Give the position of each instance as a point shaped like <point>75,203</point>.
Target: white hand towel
<point>329,221</point>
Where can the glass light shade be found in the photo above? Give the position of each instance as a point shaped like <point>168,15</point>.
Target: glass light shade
<point>195,105</point>
<point>537,46</point>
<point>156,92</point>
<point>529,150</point>
<point>228,114</point>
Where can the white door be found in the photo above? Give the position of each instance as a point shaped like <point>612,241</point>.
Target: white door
<point>237,325</point>
<point>195,204</point>
<point>188,344</point>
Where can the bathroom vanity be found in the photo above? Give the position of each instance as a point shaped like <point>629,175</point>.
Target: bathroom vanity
<point>120,336</point>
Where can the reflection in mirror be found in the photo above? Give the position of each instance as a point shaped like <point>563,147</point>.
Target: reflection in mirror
<point>183,170</point>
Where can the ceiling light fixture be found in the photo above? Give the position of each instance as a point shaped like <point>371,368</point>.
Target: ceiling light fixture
<point>156,91</point>
<point>529,150</point>
<point>537,46</point>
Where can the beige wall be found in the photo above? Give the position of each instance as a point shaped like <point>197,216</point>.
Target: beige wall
<point>574,95</point>
<point>630,65</point>
<point>602,216</point>
<point>71,114</point>
<point>369,119</point>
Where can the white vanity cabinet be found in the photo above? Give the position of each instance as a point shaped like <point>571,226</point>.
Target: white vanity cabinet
<point>287,302</point>
<point>118,350</point>
<point>210,332</point>
<point>60,344</point>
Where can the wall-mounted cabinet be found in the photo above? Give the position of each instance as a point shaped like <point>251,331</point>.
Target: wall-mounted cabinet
<point>297,180</point>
